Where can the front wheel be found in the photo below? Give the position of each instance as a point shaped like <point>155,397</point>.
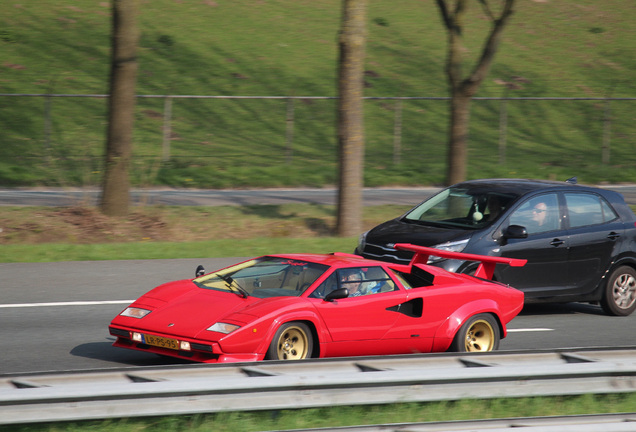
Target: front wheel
<point>292,341</point>
<point>479,334</point>
<point>619,295</point>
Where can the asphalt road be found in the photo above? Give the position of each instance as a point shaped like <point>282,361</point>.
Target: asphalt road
<point>210,197</point>
<point>55,316</point>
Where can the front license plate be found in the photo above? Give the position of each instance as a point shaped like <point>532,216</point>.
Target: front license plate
<point>161,342</point>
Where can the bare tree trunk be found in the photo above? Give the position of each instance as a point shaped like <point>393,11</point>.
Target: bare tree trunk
<point>463,89</point>
<point>351,117</point>
<point>125,38</point>
<point>457,156</point>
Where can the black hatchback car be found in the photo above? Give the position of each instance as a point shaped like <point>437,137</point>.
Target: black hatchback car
<point>580,242</point>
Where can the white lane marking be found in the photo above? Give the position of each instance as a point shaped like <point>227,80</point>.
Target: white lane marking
<point>75,303</point>
<point>524,330</point>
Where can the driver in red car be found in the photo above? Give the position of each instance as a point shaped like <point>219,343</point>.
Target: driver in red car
<point>352,281</point>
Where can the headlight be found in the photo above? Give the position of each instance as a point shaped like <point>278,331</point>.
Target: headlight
<point>134,312</point>
<point>456,246</point>
<point>362,241</point>
<point>224,327</point>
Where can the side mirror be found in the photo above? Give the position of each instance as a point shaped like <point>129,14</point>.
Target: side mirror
<point>516,232</point>
<point>337,294</point>
<point>200,271</point>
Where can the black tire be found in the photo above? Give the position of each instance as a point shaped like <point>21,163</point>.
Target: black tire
<point>292,341</point>
<point>619,294</point>
<point>480,333</point>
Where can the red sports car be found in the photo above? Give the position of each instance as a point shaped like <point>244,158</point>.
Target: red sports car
<point>296,306</point>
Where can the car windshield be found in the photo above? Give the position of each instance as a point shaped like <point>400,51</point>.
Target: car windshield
<point>264,277</point>
<point>467,208</point>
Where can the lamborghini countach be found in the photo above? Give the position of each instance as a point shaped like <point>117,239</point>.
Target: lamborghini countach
<point>298,306</point>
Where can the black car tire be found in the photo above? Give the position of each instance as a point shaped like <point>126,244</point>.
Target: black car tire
<point>292,341</point>
<point>479,333</point>
<point>619,294</point>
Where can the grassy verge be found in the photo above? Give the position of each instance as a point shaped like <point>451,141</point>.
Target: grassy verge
<point>40,234</point>
<point>357,415</point>
<point>166,250</point>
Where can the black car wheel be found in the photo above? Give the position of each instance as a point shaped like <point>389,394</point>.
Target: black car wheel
<point>619,296</point>
<point>292,341</point>
<point>479,334</point>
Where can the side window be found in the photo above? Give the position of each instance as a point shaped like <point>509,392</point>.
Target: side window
<point>538,214</point>
<point>608,212</point>
<point>365,280</point>
<point>328,285</point>
<point>587,209</point>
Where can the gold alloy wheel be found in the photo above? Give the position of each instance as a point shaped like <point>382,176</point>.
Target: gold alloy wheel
<point>480,337</point>
<point>292,344</point>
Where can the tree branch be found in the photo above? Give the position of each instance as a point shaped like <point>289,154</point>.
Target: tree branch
<point>486,7</point>
<point>444,12</point>
<point>471,83</point>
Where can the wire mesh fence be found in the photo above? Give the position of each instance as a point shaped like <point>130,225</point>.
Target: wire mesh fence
<point>230,141</point>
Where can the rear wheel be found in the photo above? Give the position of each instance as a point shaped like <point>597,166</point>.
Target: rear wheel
<point>619,295</point>
<point>479,334</point>
<point>292,341</point>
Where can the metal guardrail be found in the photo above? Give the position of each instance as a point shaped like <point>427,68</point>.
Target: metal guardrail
<point>192,389</point>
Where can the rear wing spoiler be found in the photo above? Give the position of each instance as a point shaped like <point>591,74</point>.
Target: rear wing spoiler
<point>486,263</point>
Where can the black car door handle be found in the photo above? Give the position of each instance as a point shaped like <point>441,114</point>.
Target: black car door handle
<point>556,242</point>
<point>613,235</point>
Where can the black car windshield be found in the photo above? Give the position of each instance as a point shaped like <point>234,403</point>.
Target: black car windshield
<point>264,277</point>
<point>467,208</point>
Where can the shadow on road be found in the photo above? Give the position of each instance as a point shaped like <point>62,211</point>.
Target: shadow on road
<point>562,309</point>
<point>106,352</point>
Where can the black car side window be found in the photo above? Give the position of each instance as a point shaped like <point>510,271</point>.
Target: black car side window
<point>587,209</point>
<point>538,214</point>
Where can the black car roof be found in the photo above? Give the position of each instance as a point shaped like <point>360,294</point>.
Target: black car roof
<point>522,186</point>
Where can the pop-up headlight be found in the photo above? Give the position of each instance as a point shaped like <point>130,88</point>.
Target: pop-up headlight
<point>223,327</point>
<point>134,312</point>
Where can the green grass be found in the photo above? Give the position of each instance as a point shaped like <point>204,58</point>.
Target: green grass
<point>45,234</point>
<point>288,47</point>
<point>50,252</point>
<point>357,415</point>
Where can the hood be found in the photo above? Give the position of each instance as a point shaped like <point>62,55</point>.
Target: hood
<point>397,231</point>
<point>194,309</point>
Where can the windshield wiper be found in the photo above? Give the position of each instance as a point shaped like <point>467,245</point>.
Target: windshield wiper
<point>233,285</point>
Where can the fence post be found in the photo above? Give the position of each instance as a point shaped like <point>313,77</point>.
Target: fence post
<point>167,129</point>
<point>289,132</point>
<point>607,132</point>
<point>397,133</point>
<point>503,129</point>
<point>47,127</point>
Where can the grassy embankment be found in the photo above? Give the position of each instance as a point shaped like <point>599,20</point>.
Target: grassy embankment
<point>571,48</point>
